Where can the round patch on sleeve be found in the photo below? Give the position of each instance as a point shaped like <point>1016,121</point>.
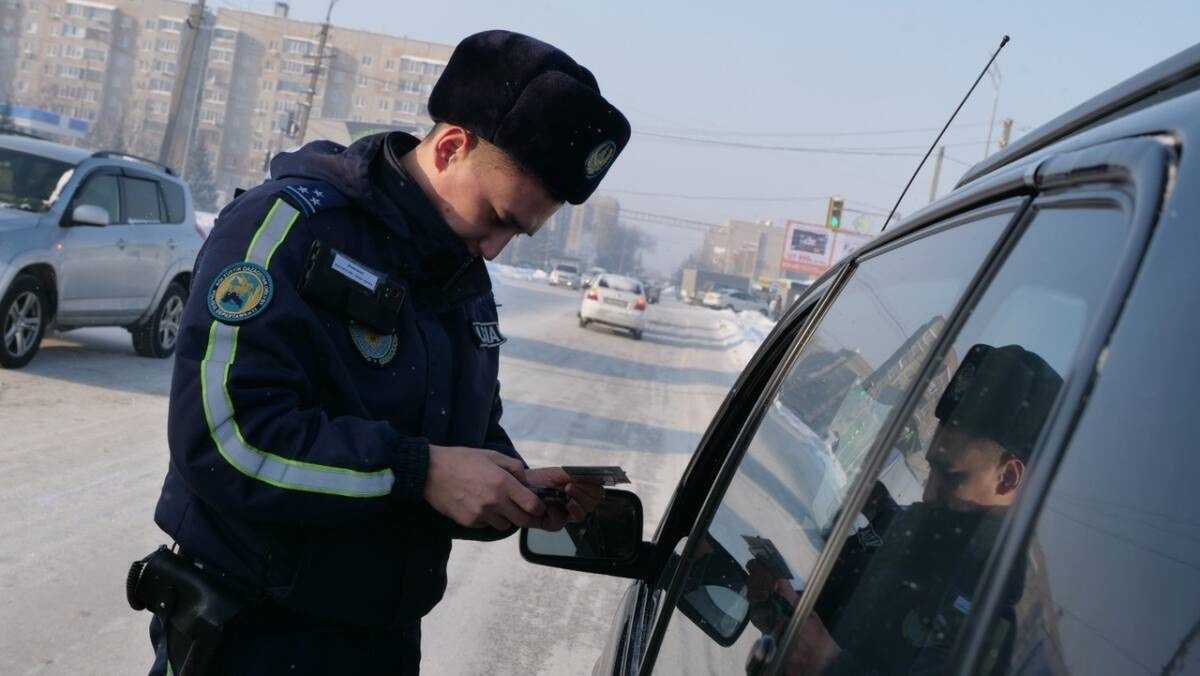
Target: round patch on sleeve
<point>240,291</point>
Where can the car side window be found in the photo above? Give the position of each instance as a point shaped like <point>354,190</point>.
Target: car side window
<point>142,203</point>
<point>908,575</point>
<point>1117,542</point>
<point>785,496</point>
<point>100,190</point>
<point>173,200</point>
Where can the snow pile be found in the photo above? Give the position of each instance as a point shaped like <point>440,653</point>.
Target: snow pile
<point>512,272</point>
<point>745,331</point>
<point>205,221</point>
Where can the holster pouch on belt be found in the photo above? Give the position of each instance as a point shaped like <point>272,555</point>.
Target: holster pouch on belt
<point>194,605</point>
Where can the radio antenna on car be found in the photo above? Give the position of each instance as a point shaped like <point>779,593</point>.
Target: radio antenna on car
<point>904,192</point>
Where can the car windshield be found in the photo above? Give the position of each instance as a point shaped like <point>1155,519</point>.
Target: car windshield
<point>623,284</point>
<point>30,182</point>
<point>567,268</point>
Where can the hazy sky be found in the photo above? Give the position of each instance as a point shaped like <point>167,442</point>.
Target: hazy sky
<point>801,74</point>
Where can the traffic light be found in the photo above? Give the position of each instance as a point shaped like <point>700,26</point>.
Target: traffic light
<point>833,216</point>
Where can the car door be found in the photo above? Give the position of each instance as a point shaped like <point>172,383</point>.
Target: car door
<point>93,260</point>
<point>861,529</point>
<point>807,436</point>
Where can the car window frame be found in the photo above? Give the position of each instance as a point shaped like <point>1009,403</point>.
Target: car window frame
<point>163,215</point>
<point>119,218</point>
<point>1139,172</point>
<point>1014,200</point>
<point>687,500</point>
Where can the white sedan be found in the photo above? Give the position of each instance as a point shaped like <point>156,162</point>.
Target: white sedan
<point>616,301</point>
<point>738,301</point>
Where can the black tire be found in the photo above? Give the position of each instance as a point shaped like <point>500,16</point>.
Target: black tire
<point>156,337</point>
<point>637,335</point>
<point>582,322</point>
<point>24,315</point>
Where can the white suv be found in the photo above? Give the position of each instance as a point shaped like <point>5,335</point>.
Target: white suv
<point>565,275</point>
<point>90,239</point>
<point>738,301</point>
<point>617,301</point>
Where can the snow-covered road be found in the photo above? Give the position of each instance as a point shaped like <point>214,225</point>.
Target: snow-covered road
<point>82,453</point>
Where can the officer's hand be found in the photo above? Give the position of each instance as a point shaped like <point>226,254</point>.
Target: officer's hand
<point>585,497</point>
<point>814,649</point>
<point>479,488</point>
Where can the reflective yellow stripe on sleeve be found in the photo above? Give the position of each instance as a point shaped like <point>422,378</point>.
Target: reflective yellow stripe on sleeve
<point>258,464</point>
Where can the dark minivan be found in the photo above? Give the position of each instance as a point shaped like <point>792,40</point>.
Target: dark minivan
<point>967,448</point>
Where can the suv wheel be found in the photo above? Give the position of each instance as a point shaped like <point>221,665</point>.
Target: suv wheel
<point>157,336</point>
<point>23,318</point>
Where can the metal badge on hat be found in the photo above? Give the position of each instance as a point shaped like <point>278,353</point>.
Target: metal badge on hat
<point>599,159</point>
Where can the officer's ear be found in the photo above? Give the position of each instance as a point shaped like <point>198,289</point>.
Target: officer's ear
<point>451,144</point>
<point>1012,474</point>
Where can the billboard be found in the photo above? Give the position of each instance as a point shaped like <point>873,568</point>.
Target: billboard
<point>811,249</point>
<point>807,248</point>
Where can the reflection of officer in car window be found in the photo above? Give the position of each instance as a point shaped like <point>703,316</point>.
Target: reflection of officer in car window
<point>902,587</point>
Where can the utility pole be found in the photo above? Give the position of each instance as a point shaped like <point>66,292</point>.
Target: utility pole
<point>175,140</point>
<point>994,74</point>
<point>1006,132</point>
<point>937,172</point>
<point>310,95</point>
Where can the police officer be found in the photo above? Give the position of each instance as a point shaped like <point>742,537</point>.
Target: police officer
<point>335,411</point>
<point>903,587</point>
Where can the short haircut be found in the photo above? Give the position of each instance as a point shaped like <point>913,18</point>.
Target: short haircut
<point>490,154</point>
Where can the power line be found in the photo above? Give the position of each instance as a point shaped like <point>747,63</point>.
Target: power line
<point>717,198</point>
<point>873,149</point>
<point>869,152</point>
<point>811,134</point>
<point>958,161</point>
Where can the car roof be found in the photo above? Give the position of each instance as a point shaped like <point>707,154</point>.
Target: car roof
<point>74,156</point>
<point>1176,75</point>
<point>42,148</point>
<point>609,275</point>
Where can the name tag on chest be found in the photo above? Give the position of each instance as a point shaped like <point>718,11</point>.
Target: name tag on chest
<point>355,271</point>
<point>487,334</point>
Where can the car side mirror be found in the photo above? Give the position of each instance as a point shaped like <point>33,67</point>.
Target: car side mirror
<point>608,541</point>
<point>716,593</point>
<point>90,214</point>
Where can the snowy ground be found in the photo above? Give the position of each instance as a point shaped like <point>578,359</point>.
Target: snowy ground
<point>83,454</point>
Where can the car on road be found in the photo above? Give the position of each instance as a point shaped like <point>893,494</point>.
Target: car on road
<point>616,301</point>
<point>653,292</point>
<point>590,276</point>
<point>564,274</point>
<point>731,299</point>
<point>90,239</point>
<point>1072,251</point>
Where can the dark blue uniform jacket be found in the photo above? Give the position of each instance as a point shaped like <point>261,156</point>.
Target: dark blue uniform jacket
<point>297,463</point>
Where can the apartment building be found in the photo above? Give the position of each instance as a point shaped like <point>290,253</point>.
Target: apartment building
<point>744,248</point>
<point>102,74</point>
<point>66,68</point>
<point>574,232</point>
